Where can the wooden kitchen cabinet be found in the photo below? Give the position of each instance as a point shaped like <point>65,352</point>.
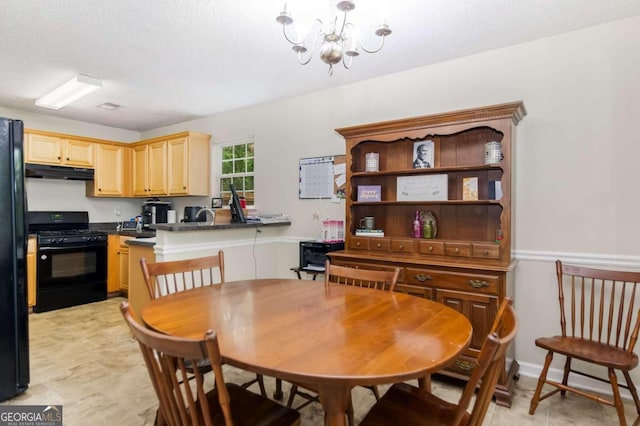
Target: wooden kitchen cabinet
<point>32,248</point>
<point>111,171</point>
<point>117,269</point>
<point>138,293</point>
<point>150,169</point>
<point>48,148</point>
<point>188,161</point>
<point>172,165</point>
<point>468,265</point>
<point>123,264</point>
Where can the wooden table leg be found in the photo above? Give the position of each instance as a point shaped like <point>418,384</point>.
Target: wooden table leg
<point>335,400</point>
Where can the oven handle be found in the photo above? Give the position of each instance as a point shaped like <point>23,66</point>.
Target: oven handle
<point>71,247</point>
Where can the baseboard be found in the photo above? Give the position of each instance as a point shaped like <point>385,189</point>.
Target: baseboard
<point>585,383</point>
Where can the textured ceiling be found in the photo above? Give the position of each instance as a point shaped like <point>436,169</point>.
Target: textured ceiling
<point>168,61</point>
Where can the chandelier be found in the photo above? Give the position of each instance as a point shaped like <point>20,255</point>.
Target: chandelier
<point>337,41</point>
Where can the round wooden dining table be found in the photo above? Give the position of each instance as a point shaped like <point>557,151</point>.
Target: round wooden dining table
<point>334,337</point>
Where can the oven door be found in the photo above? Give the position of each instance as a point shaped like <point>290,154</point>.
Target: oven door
<point>70,275</point>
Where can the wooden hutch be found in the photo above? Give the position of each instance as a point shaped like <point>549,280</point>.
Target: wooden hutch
<point>468,265</point>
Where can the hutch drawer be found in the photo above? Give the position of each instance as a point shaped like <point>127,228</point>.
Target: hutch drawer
<point>457,249</point>
<point>431,248</point>
<point>486,251</point>
<point>402,245</point>
<point>479,282</point>
<point>359,243</point>
<point>379,244</point>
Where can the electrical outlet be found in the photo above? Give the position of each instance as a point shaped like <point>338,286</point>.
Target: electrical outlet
<point>116,210</point>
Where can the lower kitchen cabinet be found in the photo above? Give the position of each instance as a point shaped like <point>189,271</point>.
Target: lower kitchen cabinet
<point>474,292</point>
<point>117,264</point>
<point>137,289</point>
<point>32,247</point>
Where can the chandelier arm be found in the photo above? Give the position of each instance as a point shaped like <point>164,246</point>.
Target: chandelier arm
<point>344,23</point>
<point>304,37</point>
<point>313,48</point>
<point>375,50</point>
<point>344,61</point>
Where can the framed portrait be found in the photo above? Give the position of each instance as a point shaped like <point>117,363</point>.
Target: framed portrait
<point>423,154</point>
<point>216,203</point>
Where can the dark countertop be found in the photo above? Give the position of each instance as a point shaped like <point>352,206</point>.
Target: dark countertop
<point>208,226</point>
<point>110,228</point>
<point>146,242</point>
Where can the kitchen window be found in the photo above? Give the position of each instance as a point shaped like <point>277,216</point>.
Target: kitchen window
<point>237,165</point>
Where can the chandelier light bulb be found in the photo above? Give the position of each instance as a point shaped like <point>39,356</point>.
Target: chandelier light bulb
<point>336,42</point>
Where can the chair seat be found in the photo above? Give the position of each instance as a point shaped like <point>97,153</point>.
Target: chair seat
<point>248,408</point>
<point>587,350</point>
<point>407,405</point>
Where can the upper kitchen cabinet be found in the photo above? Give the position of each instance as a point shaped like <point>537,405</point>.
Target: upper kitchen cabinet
<point>188,158</point>
<point>59,150</point>
<point>172,165</point>
<point>149,172</point>
<point>112,169</point>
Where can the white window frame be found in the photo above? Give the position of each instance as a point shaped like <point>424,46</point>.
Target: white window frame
<point>218,162</point>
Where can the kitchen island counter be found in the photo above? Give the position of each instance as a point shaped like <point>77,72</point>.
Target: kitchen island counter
<point>211,226</point>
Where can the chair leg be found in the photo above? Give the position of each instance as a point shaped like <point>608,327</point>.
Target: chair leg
<point>617,401</point>
<point>632,390</point>
<point>292,394</point>
<point>535,399</point>
<point>376,394</point>
<point>565,376</point>
<point>260,380</point>
<point>277,394</point>
<point>350,417</point>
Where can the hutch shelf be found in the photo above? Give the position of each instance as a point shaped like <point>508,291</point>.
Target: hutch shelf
<point>468,264</point>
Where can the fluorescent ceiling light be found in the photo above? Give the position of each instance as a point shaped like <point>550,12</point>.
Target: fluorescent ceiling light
<point>69,92</point>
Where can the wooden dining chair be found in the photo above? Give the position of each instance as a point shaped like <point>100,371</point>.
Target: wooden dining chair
<point>164,278</point>
<point>415,406</point>
<point>184,402</point>
<point>381,280</point>
<point>599,323</point>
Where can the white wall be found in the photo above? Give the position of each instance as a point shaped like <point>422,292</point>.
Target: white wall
<point>575,155</point>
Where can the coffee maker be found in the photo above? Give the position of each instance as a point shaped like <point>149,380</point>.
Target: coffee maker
<point>154,211</point>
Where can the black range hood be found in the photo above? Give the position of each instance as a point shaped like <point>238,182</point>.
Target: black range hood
<point>57,172</point>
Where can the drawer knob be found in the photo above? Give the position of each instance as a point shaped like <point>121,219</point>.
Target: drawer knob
<point>401,246</point>
<point>422,278</point>
<point>465,365</point>
<point>378,245</point>
<point>430,248</point>
<point>456,250</point>
<point>358,244</point>
<point>485,252</point>
<point>478,283</point>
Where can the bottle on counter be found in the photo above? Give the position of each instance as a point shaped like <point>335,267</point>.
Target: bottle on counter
<point>138,223</point>
<point>417,226</point>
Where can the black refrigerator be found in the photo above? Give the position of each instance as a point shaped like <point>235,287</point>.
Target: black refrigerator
<point>14,327</point>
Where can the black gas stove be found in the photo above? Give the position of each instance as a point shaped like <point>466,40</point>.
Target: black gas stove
<point>71,261</point>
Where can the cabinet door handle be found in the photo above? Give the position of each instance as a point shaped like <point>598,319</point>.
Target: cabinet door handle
<point>465,365</point>
<point>478,283</point>
<point>67,158</point>
<point>422,278</point>
<point>99,189</point>
<point>59,158</point>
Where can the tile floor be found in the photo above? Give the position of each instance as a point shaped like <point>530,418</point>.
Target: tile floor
<point>85,359</point>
